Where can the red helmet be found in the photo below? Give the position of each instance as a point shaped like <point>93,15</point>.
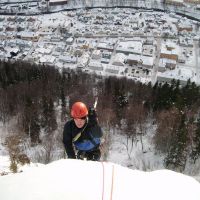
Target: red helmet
<point>79,110</point>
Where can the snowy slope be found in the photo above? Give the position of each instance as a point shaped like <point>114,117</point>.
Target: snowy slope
<point>87,180</point>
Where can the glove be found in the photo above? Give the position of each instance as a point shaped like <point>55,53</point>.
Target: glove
<point>92,115</point>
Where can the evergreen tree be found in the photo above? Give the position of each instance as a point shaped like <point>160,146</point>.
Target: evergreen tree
<point>31,122</point>
<point>62,90</point>
<point>190,93</point>
<point>163,98</point>
<point>176,157</point>
<point>48,120</point>
<point>196,148</point>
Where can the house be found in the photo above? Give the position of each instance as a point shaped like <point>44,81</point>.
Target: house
<point>192,1</point>
<point>11,19</point>
<point>181,59</point>
<point>106,46</point>
<point>3,36</point>
<point>2,18</point>
<point>20,19</point>
<point>148,50</point>
<point>144,61</point>
<point>148,42</point>
<point>129,47</point>
<point>184,42</point>
<point>119,59</point>
<point>184,27</point>
<point>169,50</point>
<point>96,66</point>
<point>96,54</point>
<point>47,59</point>
<point>112,69</point>
<point>14,51</point>
<point>67,59</point>
<point>32,36</point>
<point>147,61</point>
<point>31,19</point>
<point>69,40</point>
<point>198,7</point>
<point>21,28</point>
<point>66,26</point>
<point>106,56</point>
<point>56,38</point>
<point>84,60</point>
<point>175,2</point>
<point>1,28</point>
<point>166,63</point>
<point>57,2</point>
<point>182,74</point>
<point>10,28</point>
<point>133,59</point>
<point>43,50</point>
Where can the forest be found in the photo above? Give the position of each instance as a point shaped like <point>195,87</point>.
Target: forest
<point>38,99</point>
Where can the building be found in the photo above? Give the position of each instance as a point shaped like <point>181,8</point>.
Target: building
<point>32,36</point>
<point>106,56</point>
<point>144,61</point>
<point>47,59</point>
<point>133,59</point>
<point>175,2</point>
<point>169,50</point>
<point>129,47</point>
<point>96,66</point>
<point>96,54</point>
<point>112,69</point>
<point>106,46</point>
<point>57,2</point>
<point>68,59</point>
<point>192,1</point>
<point>119,59</point>
<point>166,63</point>
<point>184,27</point>
<point>182,74</point>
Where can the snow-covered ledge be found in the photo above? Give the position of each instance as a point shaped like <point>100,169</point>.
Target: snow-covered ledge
<point>87,180</point>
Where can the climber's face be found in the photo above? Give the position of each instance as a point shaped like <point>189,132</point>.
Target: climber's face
<point>80,122</point>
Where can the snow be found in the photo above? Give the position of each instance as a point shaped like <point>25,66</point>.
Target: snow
<point>88,180</point>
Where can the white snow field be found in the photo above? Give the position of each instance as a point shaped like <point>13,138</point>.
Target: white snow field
<point>87,180</point>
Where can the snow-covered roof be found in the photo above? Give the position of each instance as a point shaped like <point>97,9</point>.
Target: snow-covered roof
<point>47,59</point>
<point>130,46</point>
<point>145,60</point>
<point>119,59</point>
<point>105,45</point>
<point>181,73</point>
<point>95,66</point>
<point>58,0</point>
<point>170,48</point>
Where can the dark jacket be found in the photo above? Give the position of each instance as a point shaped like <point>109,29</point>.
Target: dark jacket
<point>88,141</point>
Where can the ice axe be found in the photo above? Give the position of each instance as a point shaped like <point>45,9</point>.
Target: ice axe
<point>95,103</point>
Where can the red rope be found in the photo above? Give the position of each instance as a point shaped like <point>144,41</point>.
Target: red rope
<point>111,192</point>
<point>103,180</point>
